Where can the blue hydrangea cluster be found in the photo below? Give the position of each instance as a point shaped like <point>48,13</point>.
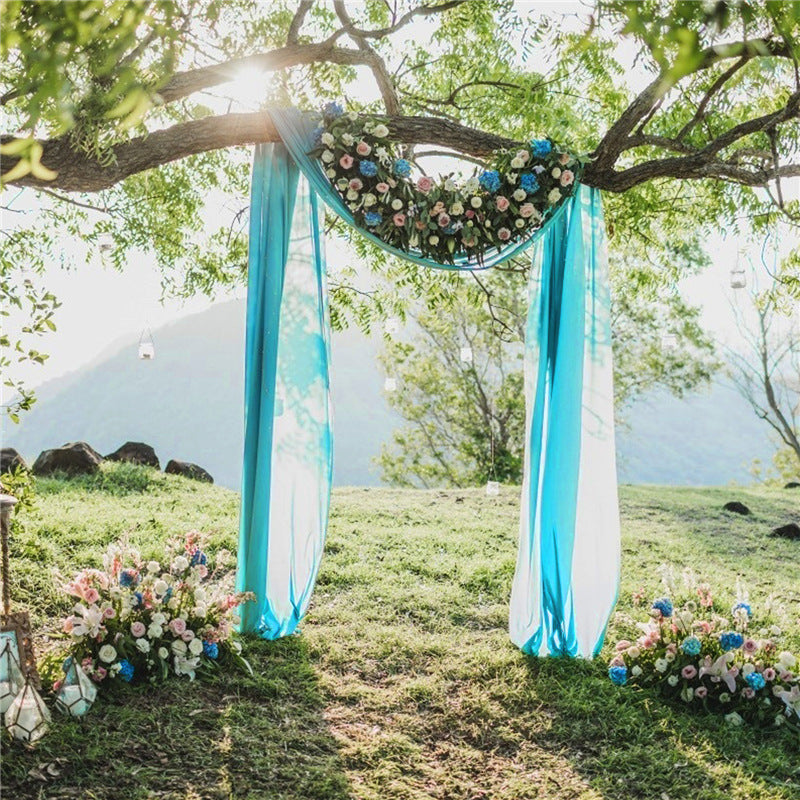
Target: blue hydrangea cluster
<point>618,675</point>
<point>402,167</point>
<point>529,183</point>
<point>745,606</point>
<point>128,577</point>
<point>318,131</point>
<point>755,680</point>
<point>664,605</point>
<point>368,169</point>
<point>541,147</point>
<point>333,109</point>
<point>126,670</point>
<point>372,218</point>
<point>731,640</point>
<point>139,598</point>
<point>199,557</point>
<point>691,646</point>
<point>490,180</point>
<point>211,649</point>
<point>167,595</point>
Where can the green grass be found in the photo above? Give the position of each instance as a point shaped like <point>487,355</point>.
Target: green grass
<point>403,683</point>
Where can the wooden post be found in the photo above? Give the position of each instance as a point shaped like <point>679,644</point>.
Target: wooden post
<point>7,503</point>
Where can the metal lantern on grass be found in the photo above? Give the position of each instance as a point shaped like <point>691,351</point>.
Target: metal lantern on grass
<point>492,488</point>
<point>12,681</point>
<point>147,347</point>
<point>27,717</point>
<point>77,692</point>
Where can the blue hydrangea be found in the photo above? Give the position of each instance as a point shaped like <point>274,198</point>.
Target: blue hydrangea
<point>745,606</point>
<point>755,680</point>
<point>490,180</point>
<point>368,169</point>
<point>199,557</point>
<point>318,131</point>
<point>139,598</point>
<point>126,670</point>
<point>541,147</point>
<point>664,605</point>
<point>731,640</point>
<point>127,577</point>
<point>691,646</point>
<point>373,218</point>
<point>167,595</point>
<point>529,183</point>
<point>618,675</point>
<point>333,109</point>
<point>402,167</point>
<point>211,649</point>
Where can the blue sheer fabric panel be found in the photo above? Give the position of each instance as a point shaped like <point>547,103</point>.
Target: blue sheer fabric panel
<point>286,478</point>
<point>566,580</point>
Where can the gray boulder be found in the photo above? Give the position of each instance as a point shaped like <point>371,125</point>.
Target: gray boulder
<point>188,470</point>
<point>75,458</point>
<point>135,453</point>
<point>10,459</point>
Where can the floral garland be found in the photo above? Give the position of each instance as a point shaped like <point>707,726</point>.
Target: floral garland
<point>439,218</point>
<point>139,620</point>
<point>731,663</point>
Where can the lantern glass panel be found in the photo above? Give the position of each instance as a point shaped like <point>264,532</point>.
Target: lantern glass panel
<point>77,692</point>
<point>11,678</point>
<point>27,716</point>
<point>492,488</point>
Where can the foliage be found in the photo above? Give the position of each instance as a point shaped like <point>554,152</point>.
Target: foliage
<point>19,483</point>
<point>403,682</point>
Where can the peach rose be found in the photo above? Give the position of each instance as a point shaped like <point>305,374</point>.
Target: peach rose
<point>346,161</point>
<point>566,177</point>
<point>504,234</point>
<point>363,149</point>
<point>425,184</point>
<point>399,219</point>
<point>501,202</point>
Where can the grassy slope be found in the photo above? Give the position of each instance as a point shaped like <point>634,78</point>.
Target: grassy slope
<point>404,683</point>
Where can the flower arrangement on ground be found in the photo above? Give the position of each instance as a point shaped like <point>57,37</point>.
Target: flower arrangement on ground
<point>724,659</point>
<point>441,218</point>
<point>138,620</point>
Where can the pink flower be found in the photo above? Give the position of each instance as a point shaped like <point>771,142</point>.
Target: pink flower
<point>437,209</point>
<point>567,177</point>
<point>750,646</point>
<point>420,225</point>
<point>470,241</point>
<point>363,149</point>
<point>177,626</point>
<point>109,613</point>
<point>527,210</point>
<point>57,685</point>
<point>769,674</point>
<point>187,635</point>
<point>700,692</point>
<point>91,595</point>
<point>617,661</point>
<point>355,184</point>
<point>748,693</point>
<point>399,219</point>
<point>444,220</point>
<point>424,184</point>
<point>202,570</point>
<point>382,188</point>
<point>672,648</point>
<point>138,629</point>
<point>504,234</point>
<point>523,154</point>
<point>623,644</point>
<point>689,672</point>
<point>346,161</point>
<point>68,623</point>
<point>469,213</point>
<point>563,158</point>
<point>501,202</point>
<point>99,674</point>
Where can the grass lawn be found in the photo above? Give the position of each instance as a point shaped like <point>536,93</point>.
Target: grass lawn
<point>403,683</point>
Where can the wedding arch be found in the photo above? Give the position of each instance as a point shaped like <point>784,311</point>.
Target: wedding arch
<point>567,572</point>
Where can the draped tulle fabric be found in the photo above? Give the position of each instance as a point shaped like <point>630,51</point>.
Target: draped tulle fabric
<point>567,574</point>
<point>568,566</point>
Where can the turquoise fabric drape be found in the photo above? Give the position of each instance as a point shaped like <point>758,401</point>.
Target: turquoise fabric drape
<point>565,584</point>
<point>286,477</point>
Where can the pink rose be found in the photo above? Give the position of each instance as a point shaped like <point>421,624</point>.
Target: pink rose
<point>355,184</point>
<point>750,646</point>
<point>564,158</point>
<point>769,674</point>
<point>617,661</point>
<point>501,203</point>
<point>700,692</point>
<point>444,220</point>
<point>424,184</point>
<point>567,177</point>
<point>109,613</point>
<point>748,693</point>
<point>99,674</point>
<point>346,161</point>
<point>504,234</point>
<point>399,219</point>
<point>57,685</point>
<point>526,210</point>
<point>469,213</point>
<point>187,635</point>
<point>382,188</point>
<point>202,570</point>
<point>138,629</point>
<point>177,626</point>
<point>689,672</point>
<point>91,595</point>
<point>363,149</point>
<point>523,154</point>
<point>672,648</point>
<point>623,644</point>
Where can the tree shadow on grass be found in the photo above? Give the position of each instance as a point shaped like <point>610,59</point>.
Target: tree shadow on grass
<point>632,744</point>
<point>236,736</point>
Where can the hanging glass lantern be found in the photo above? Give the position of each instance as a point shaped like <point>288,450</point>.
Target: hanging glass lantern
<point>669,341</point>
<point>466,355</point>
<point>77,692</point>
<point>492,488</point>
<point>27,716</point>
<point>392,326</point>
<point>105,244</point>
<point>11,677</point>
<point>390,385</point>
<point>738,277</point>
<point>147,347</point>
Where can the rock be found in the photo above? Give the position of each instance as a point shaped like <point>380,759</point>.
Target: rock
<point>10,459</point>
<point>792,485</point>
<point>790,531</point>
<point>736,508</point>
<point>188,470</point>
<point>75,458</point>
<point>135,453</point>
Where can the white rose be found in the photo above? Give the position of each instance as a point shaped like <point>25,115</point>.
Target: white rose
<point>672,680</point>
<point>199,611</point>
<point>456,209</point>
<point>352,194</point>
<point>775,631</point>
<point>196,647</point>
<point>158,618</point>
<point>154,631</point>
<point>669,656</point>
<point>107,653</point>
<point>554,196</point>
<point>381,131</point>
<point>449,185</point>
<point>174,603</point>
<point>433,239</point>
<point>520,223</point>
<point>143,645</point>
<point>662,665</point>
<point>748,668</point>
<point>519,195</point>
<point>636,671</point>
<point>786,660</point>
<point>473,185</point>
<point>153,566</point>
<point>327,139</point>
<point>160,587</point>
<point>397,204</point>
<point>352,116</point>
<point>556,173</point>
<point>511,178</point>
<point>517,163</point>
<point>347,139</point>
<point>370,200</point>
<point>163,652</point>
<point>179,647</point>
<point>331,173</point>
<point>476,202</point>
<point>181,562</point>
<point>327,156</point>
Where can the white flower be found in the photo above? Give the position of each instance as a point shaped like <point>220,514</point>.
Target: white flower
<point>143,645</point>
<point>327,156</point>
<point>433,239</point>
<point>196,647</point>
<point>160,586</point>
<point>369,200</point>
<point>748,668</point>
<point>181,563</point>
<point>383,156</point>
<point>331,173</point>
<point>511,178</point>
<point>179,647</point>
<point>174,602</point>
<point>554,196</point>
<point>734,719</point>
<point>347,139</point>
<point>786,661</point>
<point>456,209</point>
<point>327,139</point>
<point>520,223</point>
<point>352,194</point>
<point>158,618</point>
<point>687,693</point>
<point>661,664</point>
<point>153,566</point>
<point>672,680</point>
<point>556,173</point>
<point>342,183</point>
<point>636,671</point>
<point>200,610</point>
<point>476,202</point>
<point>186,666</point>
<point>775,631</point>
<point>397,204</point>
<point>669,656</point>
<point>473,185</point>
<point>449,185</point>
<point>107,653</point>
<point>538,169</point>
<point>87,621</point>
<point>519,195</point>
<point>352,116</point>
<point>381,131</point>
<point>517,163</point>
<point>163,652</point>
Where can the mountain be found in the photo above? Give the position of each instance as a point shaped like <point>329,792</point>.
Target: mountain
<point>187,403</point>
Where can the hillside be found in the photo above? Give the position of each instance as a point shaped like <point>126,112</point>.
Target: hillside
<point>403,683</point>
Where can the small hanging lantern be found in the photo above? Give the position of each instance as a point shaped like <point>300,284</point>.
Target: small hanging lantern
<point>105,244</point>
<point>27,716</point>
<point>669,341</point>
<point>738,277</point>
<point>392,326</point>
<point>466,355</point>
<point>77,692</point>
<point>11,678</point>
<point>390,385</point>
<point>147,347</point>
<point>492,488</point>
